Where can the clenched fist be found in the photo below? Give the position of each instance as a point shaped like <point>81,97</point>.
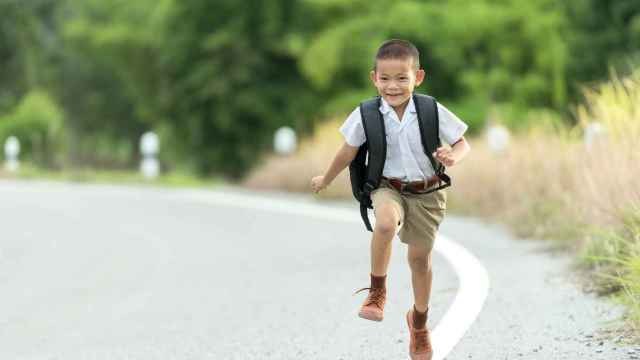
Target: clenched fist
<point>318,184</point>
<point>445,156</point>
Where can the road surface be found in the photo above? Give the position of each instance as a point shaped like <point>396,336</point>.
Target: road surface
<point>117,272</point>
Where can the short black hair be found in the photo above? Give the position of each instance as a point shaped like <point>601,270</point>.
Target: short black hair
<point>398,49</point>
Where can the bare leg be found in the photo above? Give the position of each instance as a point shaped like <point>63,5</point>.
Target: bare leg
<point>387,219</point>
<point>421,275</point>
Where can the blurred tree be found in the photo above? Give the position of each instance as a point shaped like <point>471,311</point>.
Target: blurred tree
<point>508,51</point>
<point>234,80</point>
<point>37,122</point>
<point>109,77</point>
<point>605,35</point>
<point>26,31</point>
<point>217,78</point>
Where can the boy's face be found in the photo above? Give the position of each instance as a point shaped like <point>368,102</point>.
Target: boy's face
<point>395,80</point>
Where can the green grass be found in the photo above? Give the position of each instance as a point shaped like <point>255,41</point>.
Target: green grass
<point>173,179</point>
<point>614,257</point>
<point>631,288</point>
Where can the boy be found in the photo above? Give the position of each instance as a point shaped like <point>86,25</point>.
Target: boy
<point>414,215</point>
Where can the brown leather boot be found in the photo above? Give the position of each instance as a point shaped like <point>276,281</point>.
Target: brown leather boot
<point>373,306</point>
<point>420,340</point>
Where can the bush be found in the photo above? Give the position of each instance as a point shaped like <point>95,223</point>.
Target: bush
<point>37,122</point>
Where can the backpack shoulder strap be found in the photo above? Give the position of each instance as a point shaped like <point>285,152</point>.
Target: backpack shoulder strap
<point>376,149</point>
<point>374,130</point>
<point>427,110</point>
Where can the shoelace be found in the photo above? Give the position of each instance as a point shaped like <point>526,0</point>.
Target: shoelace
<point>420,337</point>
<point>376,296</point>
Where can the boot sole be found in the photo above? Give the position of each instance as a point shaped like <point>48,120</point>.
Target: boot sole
<point>370,315</point>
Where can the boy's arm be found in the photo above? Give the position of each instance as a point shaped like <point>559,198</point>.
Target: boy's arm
<point>458,151</point>
<point>343,158</point>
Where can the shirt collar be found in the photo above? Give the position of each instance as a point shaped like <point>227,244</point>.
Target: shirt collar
<point>385,107</point>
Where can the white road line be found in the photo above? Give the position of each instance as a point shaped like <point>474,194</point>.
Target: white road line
<point>472,276</point>
<point>471,295</point>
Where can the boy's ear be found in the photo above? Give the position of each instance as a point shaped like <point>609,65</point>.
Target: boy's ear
<point>420,75</point>
<point>372,76</point>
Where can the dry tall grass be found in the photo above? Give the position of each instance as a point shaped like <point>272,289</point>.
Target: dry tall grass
<point>294,172</point>
<point>551,184</point>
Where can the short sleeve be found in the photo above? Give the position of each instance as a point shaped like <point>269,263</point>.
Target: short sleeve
<point>451,127</point>
<point>352,129</point>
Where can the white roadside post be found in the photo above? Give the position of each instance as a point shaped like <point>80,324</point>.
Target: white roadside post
<point>594,133</point>
<point>498,138</point>
<point>285,141</point>
<point>11,152</point>
<point>149,147</point>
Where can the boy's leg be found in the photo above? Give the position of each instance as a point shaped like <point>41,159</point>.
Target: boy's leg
<point>419,233</point>
<point>389,214</point>
<point>419,257</point>
<point>387,222</point>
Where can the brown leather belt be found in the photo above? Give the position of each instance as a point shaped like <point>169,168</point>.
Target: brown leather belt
<point>413,186</point>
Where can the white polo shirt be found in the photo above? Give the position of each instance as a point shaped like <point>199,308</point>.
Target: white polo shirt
<point>406,159</point>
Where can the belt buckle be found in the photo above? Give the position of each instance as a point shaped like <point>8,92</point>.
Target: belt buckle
<point>408,188</point>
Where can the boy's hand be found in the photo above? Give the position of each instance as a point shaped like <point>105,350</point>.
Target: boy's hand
<point>445,156</point>
<point>318,184</point>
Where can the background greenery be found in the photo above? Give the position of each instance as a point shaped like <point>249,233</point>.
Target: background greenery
<point>81,80</point>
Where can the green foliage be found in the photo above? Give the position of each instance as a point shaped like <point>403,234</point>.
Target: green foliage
<point>92,175</point>
<point>37,121</point>
<point>120,38</point>
<point>615,254</point>
<point>496,52</point>
<point>25,53</point>
<point>105,74</point>
<point>604,34</point>
<point>233,81</point>
<point>515,52</point>
<point>473,110</point>
<point>215,79</point>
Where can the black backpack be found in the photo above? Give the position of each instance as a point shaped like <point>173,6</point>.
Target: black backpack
<point>366,169</point>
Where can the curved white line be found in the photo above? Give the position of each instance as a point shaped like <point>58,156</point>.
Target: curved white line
<point>471,295</point>
<point>472,276</point>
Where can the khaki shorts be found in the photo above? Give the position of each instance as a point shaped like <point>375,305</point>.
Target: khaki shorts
<point>420,214</point>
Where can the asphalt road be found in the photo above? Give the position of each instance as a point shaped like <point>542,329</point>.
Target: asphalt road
<point>112,272</point>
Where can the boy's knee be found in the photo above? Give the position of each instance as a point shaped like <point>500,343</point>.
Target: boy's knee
<point>420,263</point>
<point>387,220</point>
<point>386,227</point>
